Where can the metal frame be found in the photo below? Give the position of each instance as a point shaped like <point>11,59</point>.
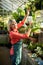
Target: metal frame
<point>11,5</point>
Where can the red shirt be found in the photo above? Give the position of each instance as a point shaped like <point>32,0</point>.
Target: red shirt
<point>15,36</point>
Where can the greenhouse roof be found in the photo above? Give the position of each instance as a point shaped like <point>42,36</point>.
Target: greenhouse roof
<point>12,5</point>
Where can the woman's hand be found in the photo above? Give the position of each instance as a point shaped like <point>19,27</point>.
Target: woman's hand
<point>28,12</point>
<point>34,40</point>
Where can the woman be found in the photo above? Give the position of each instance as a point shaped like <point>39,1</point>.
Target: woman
<point>15,36</point>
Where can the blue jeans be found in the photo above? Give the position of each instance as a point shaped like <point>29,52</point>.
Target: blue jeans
<point>16,58</point>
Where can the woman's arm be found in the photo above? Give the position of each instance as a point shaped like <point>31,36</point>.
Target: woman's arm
<point>23,21</point>
<point>19,35</point>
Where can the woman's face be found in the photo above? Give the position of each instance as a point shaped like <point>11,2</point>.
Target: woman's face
<point>14,25</point>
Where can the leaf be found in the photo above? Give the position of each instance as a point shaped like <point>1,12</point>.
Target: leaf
<point>15,15</point>
<point>22,13</point>
<point>19,10</point>
<point>35,29</point>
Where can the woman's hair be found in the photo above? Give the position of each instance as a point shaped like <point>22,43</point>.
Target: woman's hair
<point>9,24</point>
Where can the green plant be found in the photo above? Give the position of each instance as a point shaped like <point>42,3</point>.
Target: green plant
<point>32,46</point>
<point>2,25</point>
<point>15,15</point>
<point>19,15</point>
<point>39,50</point>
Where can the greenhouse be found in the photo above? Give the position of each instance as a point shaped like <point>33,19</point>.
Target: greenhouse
<point>21,32</point>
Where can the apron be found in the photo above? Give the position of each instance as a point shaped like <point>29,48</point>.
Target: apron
<point>17,53</point>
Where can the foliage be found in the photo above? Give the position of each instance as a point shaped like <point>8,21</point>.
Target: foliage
<point>21,12</point>
<point>15,15</point>
<point>19,15</point>
<point>36,48</point>
<point>1,24</point>
<point>32,46</point>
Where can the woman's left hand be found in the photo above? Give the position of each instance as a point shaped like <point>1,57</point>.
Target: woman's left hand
<point>28,12</point>
<point>33,39</point>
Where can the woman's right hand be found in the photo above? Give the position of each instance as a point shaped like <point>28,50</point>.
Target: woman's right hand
<point>28,12</point>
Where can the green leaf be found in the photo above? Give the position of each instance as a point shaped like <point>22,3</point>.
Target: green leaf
<point>19,10</point>
<point>23,13</point>
<point>35,29</point>
<point>15,15</point>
